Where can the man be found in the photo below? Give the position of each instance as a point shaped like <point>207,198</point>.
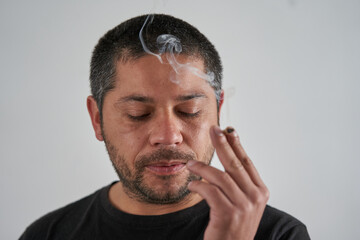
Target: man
<point>156,101</point>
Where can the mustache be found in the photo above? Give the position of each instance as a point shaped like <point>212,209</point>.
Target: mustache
<point>161,155</point>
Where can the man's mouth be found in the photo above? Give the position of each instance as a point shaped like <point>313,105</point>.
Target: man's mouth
<point>166,168</point>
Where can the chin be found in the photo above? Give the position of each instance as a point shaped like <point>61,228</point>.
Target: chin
<point>165,189</point>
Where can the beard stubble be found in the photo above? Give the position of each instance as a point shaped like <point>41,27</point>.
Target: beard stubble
<point>174,187</point>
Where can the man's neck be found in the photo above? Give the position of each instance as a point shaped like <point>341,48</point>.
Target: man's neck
<point>120,200</point>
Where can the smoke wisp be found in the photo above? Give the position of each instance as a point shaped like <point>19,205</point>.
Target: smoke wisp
<point>170,46</point>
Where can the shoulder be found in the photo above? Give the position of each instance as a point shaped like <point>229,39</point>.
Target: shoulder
<point>276,224</point>
<point>61,220</point>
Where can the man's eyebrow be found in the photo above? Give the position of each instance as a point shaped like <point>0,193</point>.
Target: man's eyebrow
<point>144,99</point>
<point>135,98</point>
<point>190,97</point>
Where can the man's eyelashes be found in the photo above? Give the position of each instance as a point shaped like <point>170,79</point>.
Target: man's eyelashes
<point>145,116</point>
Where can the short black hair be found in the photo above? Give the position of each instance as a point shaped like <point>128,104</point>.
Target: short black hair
<point>123,43</point>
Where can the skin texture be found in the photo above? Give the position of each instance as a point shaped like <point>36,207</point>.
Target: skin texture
<point>149,121</point>
<point>169,117</point>
<point>237,197</point>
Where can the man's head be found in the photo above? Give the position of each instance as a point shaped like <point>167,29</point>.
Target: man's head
<point>122,43</point>
<point>152,126</point>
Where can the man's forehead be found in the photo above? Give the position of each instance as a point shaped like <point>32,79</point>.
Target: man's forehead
<point>148,75</point>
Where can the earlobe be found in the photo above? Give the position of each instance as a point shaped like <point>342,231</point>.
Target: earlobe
<point>94,116</point>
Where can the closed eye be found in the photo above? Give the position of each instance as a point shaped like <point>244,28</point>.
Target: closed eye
<point>140,117</point>
<point>189,115</point>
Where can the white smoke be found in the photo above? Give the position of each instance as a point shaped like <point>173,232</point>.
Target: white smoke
<point>170,46</point>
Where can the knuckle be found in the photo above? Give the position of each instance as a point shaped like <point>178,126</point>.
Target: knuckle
<point>260,200</point>
<point>266,194</point>
<point>246,207</point>
<point>235,164</point>
<point>235,215</point>
<point>225,178</point>
<point>246,161</point>
<point>237,212</point>
<point>213,190</point>
<point>261,197</point>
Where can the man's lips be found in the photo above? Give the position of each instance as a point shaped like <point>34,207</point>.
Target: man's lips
<point>166,168</point>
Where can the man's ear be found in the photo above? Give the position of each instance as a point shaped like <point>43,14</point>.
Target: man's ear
<point>221,101</point>
<point>95,117</point>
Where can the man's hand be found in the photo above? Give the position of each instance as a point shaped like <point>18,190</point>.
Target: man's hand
<point>237,197</point>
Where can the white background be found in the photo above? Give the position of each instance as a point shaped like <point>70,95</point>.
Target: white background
<point>291,74</point>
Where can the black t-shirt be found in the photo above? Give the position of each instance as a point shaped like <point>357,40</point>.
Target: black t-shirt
<point>93,217</point>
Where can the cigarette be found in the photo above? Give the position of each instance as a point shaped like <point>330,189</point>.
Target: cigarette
<point>228,130</point>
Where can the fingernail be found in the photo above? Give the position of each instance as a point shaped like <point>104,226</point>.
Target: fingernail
<point>218,131</point>
<point>191,163</point>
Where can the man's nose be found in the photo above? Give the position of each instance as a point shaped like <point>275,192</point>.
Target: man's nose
<point>166,130</point>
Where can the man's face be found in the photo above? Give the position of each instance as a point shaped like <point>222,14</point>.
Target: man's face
<point>152,127</point>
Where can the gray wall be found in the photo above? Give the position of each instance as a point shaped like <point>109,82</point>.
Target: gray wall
<point>291,74</point>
